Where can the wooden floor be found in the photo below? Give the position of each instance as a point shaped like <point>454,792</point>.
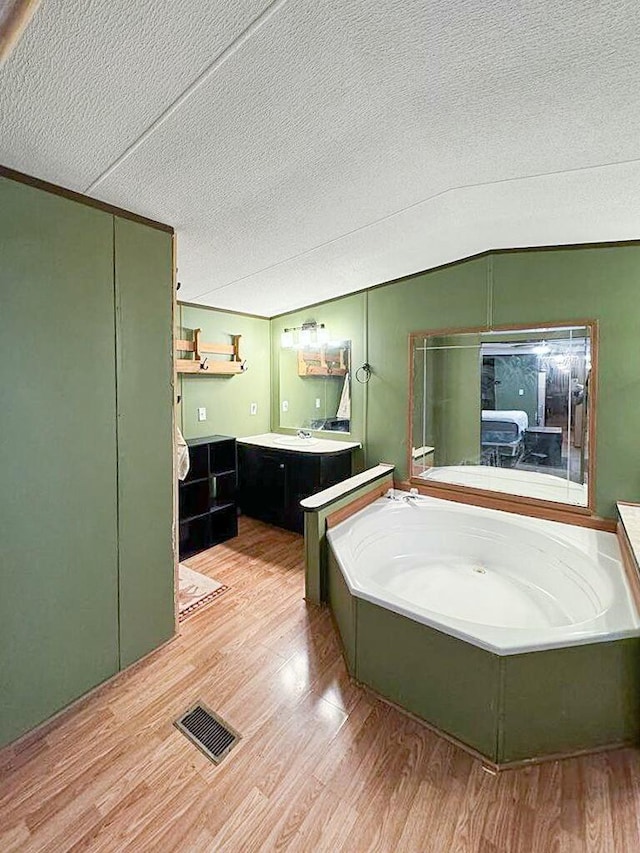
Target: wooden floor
<point>322,765</point>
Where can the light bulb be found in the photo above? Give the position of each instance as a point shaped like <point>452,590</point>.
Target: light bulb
<point>286,339</point>
<point>305,337</point>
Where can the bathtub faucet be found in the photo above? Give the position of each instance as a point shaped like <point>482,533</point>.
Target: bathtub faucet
<point>412,496</point>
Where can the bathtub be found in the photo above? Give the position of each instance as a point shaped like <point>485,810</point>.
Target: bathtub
<point>516,637</point>
<point>504,582</point>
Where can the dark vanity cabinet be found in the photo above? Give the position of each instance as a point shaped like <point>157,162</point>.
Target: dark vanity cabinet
<point>208,511</point>
<point>272,482</point>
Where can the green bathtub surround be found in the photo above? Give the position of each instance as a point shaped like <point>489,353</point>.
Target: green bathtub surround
<point>564,700</point>
<point>82,383</point>
<point>507,707</point>
<point>315,525</point>
<point>521,287</point>
<point>227,399</point>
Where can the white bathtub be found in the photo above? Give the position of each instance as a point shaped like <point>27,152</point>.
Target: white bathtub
<point>513,481</point>
<point>504,582</point>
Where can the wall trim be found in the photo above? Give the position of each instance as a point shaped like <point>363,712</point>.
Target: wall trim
<point>486,253</point>
<point>487,494</point>
<point>183,304</point>
<point>72,195</point>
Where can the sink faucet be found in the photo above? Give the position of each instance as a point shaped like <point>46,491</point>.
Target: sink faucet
<point>412,496</point>
<point>303,433</point>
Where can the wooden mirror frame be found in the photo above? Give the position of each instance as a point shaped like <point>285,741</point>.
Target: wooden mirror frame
<point>538,507</point>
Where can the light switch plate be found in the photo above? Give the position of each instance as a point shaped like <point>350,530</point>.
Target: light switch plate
<point>253,409</point>
<point>202,413</point>
<point>317,402</point>
<point>285,405</point>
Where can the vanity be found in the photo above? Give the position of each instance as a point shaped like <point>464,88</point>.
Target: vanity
<point>276,472</point>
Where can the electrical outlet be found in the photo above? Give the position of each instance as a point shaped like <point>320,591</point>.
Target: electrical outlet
<point>317,402</point>
<point>285,405</point>
<point>521,392</point>
<point>202,413</point>
<point>253,409</point>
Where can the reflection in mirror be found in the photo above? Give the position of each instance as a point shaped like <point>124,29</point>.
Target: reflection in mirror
<point>504,410</point>
<point>315,387</point>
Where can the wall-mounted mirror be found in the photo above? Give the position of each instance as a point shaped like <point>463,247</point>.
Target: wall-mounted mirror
<point>315,387</point>
<point>505,410</point>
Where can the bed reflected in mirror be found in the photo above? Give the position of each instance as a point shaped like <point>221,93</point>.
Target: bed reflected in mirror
<point>504,410</point>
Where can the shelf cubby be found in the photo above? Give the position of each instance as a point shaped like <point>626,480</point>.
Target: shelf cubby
<point>208,511</point>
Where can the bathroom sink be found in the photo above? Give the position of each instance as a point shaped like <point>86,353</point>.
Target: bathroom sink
<point>294,441</point>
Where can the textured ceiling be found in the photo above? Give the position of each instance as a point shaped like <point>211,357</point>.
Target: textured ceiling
<point>303,150</point>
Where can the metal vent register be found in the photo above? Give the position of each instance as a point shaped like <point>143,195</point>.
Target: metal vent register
<point>208,732</point>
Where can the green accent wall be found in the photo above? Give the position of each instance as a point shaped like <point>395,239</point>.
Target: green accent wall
<point>58,489</point>
<point>592,283</point>
<point>456,404</point>
<point>86,486</point>
<point>435,300</point>
<point>144,294</point>
<point>528,288</point>
<point>227,399</point>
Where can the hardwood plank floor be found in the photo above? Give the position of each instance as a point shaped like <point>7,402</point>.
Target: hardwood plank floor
<point>322,765</point>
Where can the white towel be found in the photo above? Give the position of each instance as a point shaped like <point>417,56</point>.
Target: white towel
<point>344,407</point>
<point>182,455</point>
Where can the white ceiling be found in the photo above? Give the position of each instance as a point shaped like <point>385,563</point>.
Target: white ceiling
<point>307,149</point>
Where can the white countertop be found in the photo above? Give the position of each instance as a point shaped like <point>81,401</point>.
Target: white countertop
<point>630,517</point>
<point>279,441</point>
<point>331,494</point>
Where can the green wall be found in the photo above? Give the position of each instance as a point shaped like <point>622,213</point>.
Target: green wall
<point>144,295</point>
<point>528,287</point>
<point>517,373</point>
<point>85,511</point>
<point>456,404</point>
<point>435,300</point>
<point>592,283</point>
<point>227,399</point>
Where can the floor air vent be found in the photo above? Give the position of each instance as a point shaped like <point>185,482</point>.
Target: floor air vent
<point>208,731</point>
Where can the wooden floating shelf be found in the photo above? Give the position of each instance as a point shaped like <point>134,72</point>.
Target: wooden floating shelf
<point>201,364</point>
<point>314,362</point>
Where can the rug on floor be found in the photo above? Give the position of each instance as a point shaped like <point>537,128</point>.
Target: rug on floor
<point>195,590</point>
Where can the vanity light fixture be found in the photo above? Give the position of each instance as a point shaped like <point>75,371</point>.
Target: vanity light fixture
<point>307,334</point>
<point>286,339</point>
